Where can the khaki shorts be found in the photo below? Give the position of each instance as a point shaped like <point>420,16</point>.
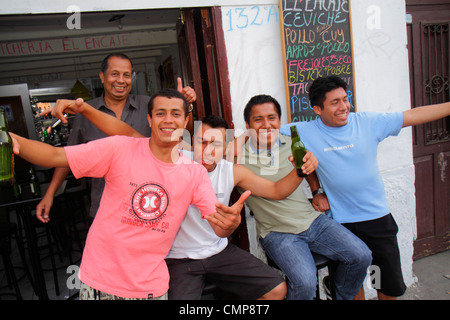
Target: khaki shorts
<point>88,293</point>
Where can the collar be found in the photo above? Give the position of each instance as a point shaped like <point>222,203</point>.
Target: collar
<point>130,103</point>
<point>281,140</point>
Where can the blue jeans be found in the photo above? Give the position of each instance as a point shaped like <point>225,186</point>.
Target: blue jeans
<point>292,254</point>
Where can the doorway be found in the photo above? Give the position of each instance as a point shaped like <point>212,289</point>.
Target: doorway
<point>204,60</point>
<point>41,51</point>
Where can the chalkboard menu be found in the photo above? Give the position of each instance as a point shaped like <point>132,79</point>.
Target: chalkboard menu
<point>316,42</point>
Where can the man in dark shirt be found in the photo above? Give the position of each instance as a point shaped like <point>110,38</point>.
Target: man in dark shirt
<point>116,76</point>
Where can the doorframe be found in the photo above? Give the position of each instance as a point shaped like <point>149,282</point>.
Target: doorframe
<point>206,50</point>
<point>435,236</point>
<point>222,65</point>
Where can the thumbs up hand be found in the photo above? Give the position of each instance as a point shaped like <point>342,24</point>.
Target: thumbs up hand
<point>187,91</point>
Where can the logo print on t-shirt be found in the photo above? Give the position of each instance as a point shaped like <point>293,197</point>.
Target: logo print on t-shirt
<point>149,202</point>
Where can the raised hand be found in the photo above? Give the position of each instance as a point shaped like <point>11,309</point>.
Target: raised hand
<point>65,106</point>
<point>187,91</point>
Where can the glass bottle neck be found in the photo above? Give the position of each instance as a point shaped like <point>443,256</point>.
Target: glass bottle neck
<point>2,120</point>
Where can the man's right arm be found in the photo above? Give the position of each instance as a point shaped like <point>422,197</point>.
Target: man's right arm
<point>44,206</point>
<point>43,155</point>
<point>39,153</point>
<point>108,124</point>
<point>420,115</point>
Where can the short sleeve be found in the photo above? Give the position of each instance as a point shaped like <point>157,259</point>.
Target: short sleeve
<point>92,159</point>
<point>204,196</point>
<point>286,128</point>
<point>385,124</point>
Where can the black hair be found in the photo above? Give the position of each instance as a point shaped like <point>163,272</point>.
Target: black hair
<point>260,99</point>
<point>215,122</point>
<point>171,94</point>
<point>105,64</point>
<point>319,88</point>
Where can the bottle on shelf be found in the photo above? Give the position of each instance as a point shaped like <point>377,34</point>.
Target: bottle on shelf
<point>34,184</point>
<point>17,191</point>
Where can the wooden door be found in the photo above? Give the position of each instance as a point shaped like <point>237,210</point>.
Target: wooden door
<point>203,55</point>
<point>429,58</point>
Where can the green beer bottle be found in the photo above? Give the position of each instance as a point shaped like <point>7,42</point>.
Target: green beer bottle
<point>298,151</point>
<point>6,154</point>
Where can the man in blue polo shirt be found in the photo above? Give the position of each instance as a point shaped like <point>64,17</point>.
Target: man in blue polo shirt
<point>346,144</point>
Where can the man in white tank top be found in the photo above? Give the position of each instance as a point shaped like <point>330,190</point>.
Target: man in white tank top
<point>200,253</point>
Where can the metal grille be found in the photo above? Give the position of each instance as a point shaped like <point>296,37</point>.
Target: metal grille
<point>435,53</point>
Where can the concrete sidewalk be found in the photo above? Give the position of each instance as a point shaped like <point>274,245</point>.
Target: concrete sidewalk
<point>433,278</point>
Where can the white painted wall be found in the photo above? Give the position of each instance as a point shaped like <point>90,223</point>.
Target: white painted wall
<point>255,60</point>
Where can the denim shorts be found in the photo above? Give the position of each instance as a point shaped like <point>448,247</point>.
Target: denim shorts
<point>380,235</point>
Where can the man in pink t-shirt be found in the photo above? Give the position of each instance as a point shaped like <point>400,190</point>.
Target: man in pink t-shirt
<point>139,215</point>
<point>149,186</point>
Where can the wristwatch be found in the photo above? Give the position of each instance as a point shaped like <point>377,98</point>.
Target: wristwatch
<point>320,190</point>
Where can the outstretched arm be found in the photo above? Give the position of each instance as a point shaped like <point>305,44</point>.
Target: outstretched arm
<point>106,123</point>
<point>39,153</point>
<point>425,114</point>
<point>261,187</point>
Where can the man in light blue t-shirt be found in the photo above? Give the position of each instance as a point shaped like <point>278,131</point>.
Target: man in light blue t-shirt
<point>348,170</point>
<point>346,144</point>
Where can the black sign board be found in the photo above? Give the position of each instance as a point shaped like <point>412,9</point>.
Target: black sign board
<point>316,42</point>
